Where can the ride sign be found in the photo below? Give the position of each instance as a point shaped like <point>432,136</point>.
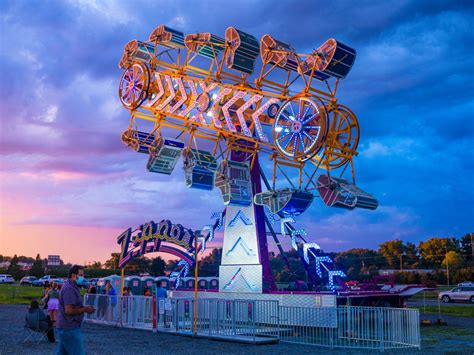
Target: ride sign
<point>148,238</point>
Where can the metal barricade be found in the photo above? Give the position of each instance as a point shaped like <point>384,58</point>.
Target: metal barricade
<point>351,327</point>
<point>261,320</point>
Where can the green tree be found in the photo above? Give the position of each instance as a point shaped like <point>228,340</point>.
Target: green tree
<point>462,275</point>
<point>358,263</point>
<point>467,249</point>
<point>171,265</point>
<point>38,268</point>
<point>392,250</point>
<point>453,260</point>
<point>96,265</point>
<point>138,265</point>
<point>14,269</point>
<point>113,262</point>
<point>209,265</point>
<point>434,250</point>
<point>410,258</point>
<point>157,267</point>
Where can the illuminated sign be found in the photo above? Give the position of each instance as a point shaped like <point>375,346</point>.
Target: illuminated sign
<point>148,238</point>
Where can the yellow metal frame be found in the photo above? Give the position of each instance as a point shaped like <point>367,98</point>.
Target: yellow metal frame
<point>331,151</point>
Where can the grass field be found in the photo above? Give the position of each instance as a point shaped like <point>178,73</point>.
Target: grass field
<point>431,295</point>
<point>14,294</point>
<point>461,311</point>
<point>455,340</point>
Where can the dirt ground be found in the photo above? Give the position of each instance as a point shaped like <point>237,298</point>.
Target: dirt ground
<point>111,340</point>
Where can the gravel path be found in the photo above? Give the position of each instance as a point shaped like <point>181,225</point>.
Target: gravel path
<point>111,340</point>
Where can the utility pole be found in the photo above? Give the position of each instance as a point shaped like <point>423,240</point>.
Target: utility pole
<point>447,265</point>
<point>472,248</point>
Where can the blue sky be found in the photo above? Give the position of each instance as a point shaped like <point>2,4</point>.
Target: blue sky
<point>67,182</point>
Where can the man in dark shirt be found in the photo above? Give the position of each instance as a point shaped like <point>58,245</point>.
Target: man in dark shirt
<point>70,314</point>
<point>161,295</point>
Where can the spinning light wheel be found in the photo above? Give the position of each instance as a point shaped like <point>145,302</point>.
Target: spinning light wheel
<point>300,128</point>
<point>342,139</point>
<point>134,85</point>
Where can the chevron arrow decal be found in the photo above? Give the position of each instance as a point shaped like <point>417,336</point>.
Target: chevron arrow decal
<point>307,249</point>
<point>169,84</point>
<point>333,274</point>
<point>240,114</point>
<point>258,126</point>
<point>244,246</point>
<point>294,237</point>
<point>319,260</point>
<point>231,282</point>
<point>242,217</point>
<point>183,98</point>
<point>225,110</point>
<point>283,223</point>
<point>214,111</point>
<point>193,102</point>
<point>160,92</point>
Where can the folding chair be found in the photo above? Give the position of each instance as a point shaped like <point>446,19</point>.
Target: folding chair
<point>34,330</point>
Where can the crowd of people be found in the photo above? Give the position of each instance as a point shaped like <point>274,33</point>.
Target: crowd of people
<point>65,310</point>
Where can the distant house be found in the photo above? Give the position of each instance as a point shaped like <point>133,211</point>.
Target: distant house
<point>25,266</point>
<point>4,264</point>
<point>385,272</point>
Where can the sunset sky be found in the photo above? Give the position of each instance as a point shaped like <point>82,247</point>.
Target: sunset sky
<point>68,185</point>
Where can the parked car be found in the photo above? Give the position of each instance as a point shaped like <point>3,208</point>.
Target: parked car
<point>49,278</point>
<point>466,283</point>
<point>457,294</point>
<point>6,279</point>
<point>28,281</point>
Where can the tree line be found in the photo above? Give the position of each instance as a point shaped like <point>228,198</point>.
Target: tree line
<point>435,256</point>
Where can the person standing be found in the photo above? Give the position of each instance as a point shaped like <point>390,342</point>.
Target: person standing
<point>53,301</point>
<point>44,294</point>
<point>161,295</point>
<point>71,313</point>
<point>111,299</point>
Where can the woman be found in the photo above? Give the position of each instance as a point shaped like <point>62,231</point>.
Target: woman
<point>53,301</point>
<point>44,295</point>
<point>38,321</point>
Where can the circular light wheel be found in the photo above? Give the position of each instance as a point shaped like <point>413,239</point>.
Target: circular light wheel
<point>299,128</point>
<point>134,84</point>
<point>342,139</point>
<point>203,102</point>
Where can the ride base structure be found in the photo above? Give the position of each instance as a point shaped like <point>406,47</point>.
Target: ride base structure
<point>195,97</point>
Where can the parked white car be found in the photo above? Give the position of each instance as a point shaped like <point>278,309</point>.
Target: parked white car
<point>465,293</point>
<point>6,279</point>
<point>466,283</point>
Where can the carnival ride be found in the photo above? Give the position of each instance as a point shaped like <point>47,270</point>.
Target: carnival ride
<point>195,96</point>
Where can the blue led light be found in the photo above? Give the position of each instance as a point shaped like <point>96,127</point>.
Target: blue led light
<point>240,216</point>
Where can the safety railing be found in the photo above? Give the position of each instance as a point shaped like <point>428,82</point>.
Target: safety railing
<point>351,327</point>
<point>257,320</point>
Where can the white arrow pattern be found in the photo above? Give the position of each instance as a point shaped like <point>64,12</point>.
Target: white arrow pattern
<point>171,96</point>
<point>240,114</point>
<point>184,96</point>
